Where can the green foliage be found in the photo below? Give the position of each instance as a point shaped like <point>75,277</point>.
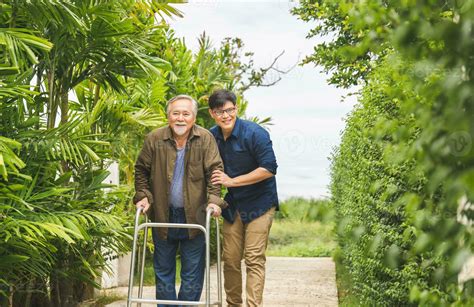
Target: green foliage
<point>345,290</point>
<point>81,83</point>
<point>105,300</point>
<point>306,210</point>
<point>406,159</point>
<point>351,46</point>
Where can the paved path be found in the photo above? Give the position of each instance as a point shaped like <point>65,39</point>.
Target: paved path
<point>289,282</point>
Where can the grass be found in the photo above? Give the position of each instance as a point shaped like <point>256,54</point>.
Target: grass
<point>292,238</point>
<point>103,300</point>
<point>302,228</point>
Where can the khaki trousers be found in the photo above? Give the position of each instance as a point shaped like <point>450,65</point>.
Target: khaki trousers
<point>250,242</point>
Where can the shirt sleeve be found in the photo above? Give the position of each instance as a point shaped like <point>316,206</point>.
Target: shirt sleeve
<point>213,162</point>
<point>142,172</point>
<point>263,150</point>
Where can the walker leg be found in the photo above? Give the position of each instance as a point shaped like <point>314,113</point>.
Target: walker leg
<point>142,265</point>
<point>132,261</point>
<point>208,257</point>
<point>205,230</point>
<point>219,282</point>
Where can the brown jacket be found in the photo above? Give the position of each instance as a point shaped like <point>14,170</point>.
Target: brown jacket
<point>154,172</point>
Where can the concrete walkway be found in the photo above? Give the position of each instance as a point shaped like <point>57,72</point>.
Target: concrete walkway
<point>289,282</point>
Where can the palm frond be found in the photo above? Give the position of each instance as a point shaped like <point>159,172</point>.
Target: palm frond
<point>9,161</point>
<point>21,46</point>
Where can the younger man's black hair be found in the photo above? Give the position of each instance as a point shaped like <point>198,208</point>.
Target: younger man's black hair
<point>220,97</point>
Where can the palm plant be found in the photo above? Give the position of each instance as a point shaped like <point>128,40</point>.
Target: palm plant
<point>81,82</point>
<point>55,215</point>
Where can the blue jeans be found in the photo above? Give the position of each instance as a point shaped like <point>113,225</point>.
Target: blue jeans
<point>192,261</point>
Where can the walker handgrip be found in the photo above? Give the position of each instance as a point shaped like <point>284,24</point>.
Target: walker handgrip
<point>209,212</point>
<point>137,215</point>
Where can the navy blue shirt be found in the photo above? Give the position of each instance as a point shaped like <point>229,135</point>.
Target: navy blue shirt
<point>247,148</point>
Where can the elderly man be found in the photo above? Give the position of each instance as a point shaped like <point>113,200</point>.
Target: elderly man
<point>172,184</point>
<point>250,168</point>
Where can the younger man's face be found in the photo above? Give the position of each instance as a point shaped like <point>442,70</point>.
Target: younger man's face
<point>225,116</point>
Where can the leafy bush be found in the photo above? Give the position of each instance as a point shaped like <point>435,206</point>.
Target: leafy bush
<point>304,210</point>
<point>374,233</point>
<point>406,159</point>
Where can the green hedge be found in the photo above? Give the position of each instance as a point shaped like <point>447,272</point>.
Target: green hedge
<point>398,234</point>
<point>373,231</point>
<point>406,159</point>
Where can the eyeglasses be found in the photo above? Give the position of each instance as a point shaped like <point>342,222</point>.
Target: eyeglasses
<point>229,111</point>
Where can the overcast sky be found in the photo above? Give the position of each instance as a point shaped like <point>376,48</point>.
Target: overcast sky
<point>307,113</point>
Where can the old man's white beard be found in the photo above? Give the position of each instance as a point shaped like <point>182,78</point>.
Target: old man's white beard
<point>179,130</point>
